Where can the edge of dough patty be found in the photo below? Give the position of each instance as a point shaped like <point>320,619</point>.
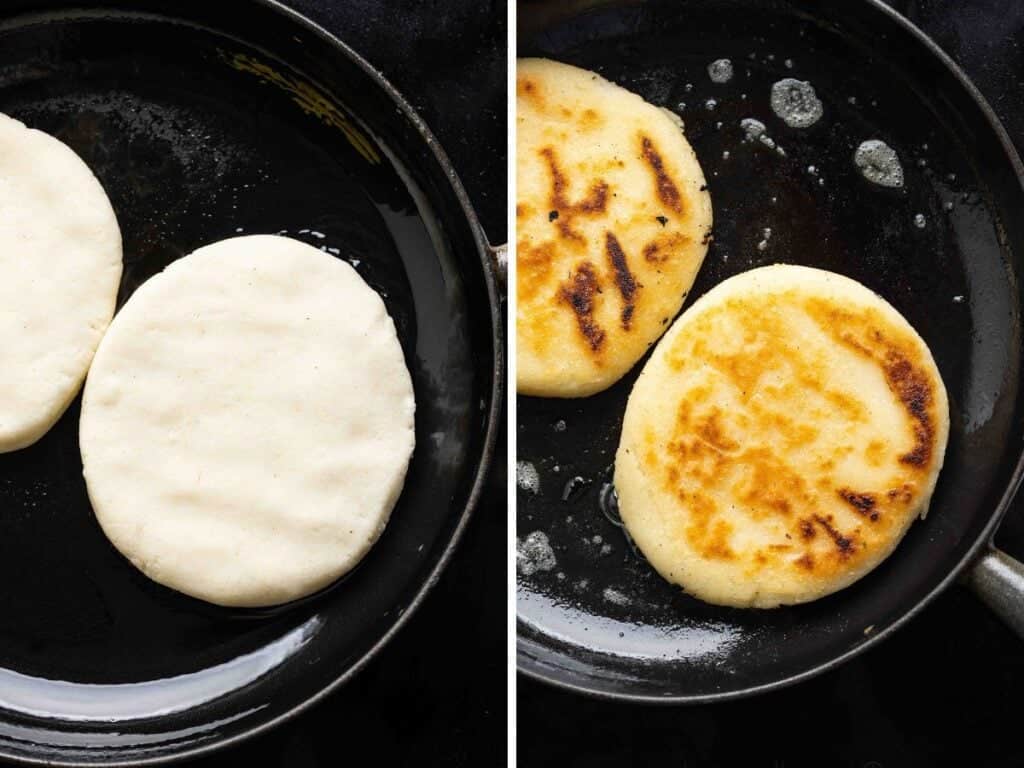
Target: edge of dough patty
<point>211,527</point>
<point>81,237</point>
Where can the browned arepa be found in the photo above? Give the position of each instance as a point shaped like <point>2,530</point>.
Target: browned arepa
<point>613,220</point>
<point>782,438</point>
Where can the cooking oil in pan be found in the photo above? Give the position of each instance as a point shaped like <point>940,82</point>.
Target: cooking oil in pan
<point>534,553</point>
<point>796,103</point>
<point>879,163</point>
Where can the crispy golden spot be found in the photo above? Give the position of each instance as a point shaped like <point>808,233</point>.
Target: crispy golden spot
<point>703,452</point>
<point>605,165</point>
<point>914,390</point>
<point>851,407</point>
<point>650,459</point>
<point>794,430</point>
<point>667,190</point>
<point>534,265</point>
<point>579,292</point>
<point>590,120</point>
<point>660,249</point>
<point>717,544</point>
<point>677,359</point>
<point>844,544</point>
<point>710,430</point>
<point>863,332</point>
<point>904,494</point>
<point>863,503</point>
<point>566,211</point>
<point>529,89</point>
<point>623,279</point>
<point>696,460</point>
<point>520,211</point>
<point>706,534</point>
<point>805,561</point>
<point>875,453</point>
<point>672,474</point>
<point>744,370</point>
<point>770,488</point>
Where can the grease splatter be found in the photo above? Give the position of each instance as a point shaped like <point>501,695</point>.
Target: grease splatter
<point>796,103</point>
<point>720,71</point>
<point>879,163</point>
<point>527,477</point>
<point>534,554</point>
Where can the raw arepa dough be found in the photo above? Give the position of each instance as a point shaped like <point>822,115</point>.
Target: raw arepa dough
<point>247,422</point>
<point>781,439</point>
<point>612,224</point>
<point>60,267</point>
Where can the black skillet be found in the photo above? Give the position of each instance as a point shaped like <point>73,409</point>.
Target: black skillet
<point>204,120</point>
<point>601,621</point>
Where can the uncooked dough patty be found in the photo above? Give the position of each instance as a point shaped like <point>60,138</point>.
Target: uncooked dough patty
<point>612,221</point>
<point>781,439</point>
<point>247,422</point>
<point>60,267</point>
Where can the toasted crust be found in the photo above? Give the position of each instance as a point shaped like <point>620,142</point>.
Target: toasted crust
<point>612,224</point>
<point>781,439</point>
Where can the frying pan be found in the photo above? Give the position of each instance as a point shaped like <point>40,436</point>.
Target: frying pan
<point>945,249</point>
<point>204,120</point>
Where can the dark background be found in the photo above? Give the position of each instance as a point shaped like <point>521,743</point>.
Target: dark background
<point>943,691</point>
<point>437,694</point>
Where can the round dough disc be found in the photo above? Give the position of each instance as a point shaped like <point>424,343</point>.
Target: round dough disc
<point>612,224</point>
<point>247,422</point>
<point>781,439</point>
<point>60,267</point>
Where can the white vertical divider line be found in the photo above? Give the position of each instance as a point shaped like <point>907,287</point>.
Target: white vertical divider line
<point>510,388</point>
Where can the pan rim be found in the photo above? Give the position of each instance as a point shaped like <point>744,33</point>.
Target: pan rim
<point>480,473</point>
<point>532,670</point>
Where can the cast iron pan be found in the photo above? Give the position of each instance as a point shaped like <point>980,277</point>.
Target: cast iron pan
<point>602,621</point>
<point>204,120</point>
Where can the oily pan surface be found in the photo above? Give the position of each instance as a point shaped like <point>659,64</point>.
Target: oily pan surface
<point>596,611</point>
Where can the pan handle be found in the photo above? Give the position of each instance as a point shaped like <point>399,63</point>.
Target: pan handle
<point>998,580</point>
<point>499,254</point>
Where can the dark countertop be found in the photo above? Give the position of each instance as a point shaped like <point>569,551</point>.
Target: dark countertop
<point>942,691</point>
<point>436,695</point>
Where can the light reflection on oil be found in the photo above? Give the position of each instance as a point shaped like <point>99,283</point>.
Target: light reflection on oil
<point>85,702</point>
